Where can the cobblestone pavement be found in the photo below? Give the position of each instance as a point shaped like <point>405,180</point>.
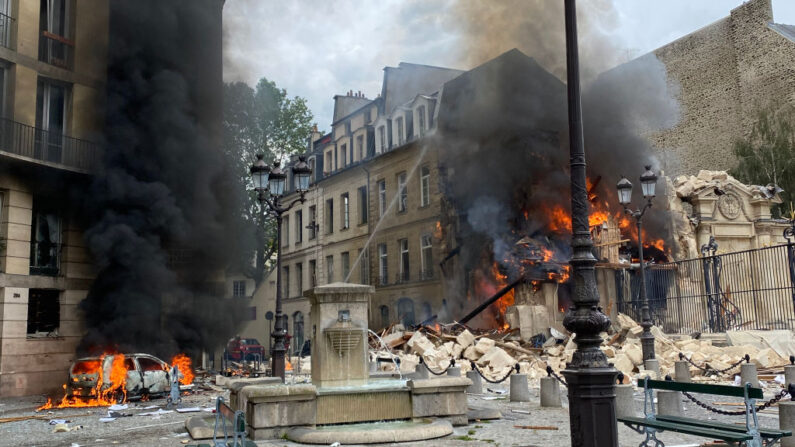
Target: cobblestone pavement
<point>168,429</point>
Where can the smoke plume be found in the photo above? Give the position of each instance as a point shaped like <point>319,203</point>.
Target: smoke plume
<point>160,212</point>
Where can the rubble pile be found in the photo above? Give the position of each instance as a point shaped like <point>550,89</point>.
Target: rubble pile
<point>496,352</point>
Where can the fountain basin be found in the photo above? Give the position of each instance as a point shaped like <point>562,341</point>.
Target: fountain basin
<point>372,433</point>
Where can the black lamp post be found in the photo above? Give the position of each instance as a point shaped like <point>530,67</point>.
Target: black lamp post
<point>648,182</point>
<point>590,379</point>
<point>269,182</point>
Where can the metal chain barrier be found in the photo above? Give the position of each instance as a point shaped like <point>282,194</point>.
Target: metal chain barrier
<point>552,374</point>
<point>480,373</point>
<point>443,372</point>
<point>708,371</point>
<point>709,407</point>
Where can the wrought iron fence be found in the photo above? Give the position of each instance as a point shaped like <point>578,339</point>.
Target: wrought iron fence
<point>751,289</point>
<point>20,139</point>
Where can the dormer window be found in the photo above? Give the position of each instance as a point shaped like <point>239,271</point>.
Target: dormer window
<point>382,138</point>
<point>400,130</point>
<point>421,119</point>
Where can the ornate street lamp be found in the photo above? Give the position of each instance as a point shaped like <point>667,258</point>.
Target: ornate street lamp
<point>269,182</point>
<point>648,183</point>
<point>590,379</point>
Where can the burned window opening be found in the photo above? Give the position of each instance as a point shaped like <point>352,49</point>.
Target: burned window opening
<point>44,312</point>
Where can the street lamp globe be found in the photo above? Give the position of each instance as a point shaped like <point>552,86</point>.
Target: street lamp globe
<point>259,173</point>
<point>648,182</point>
<point>276,180</point>
<point>624,187</point>
<point>302,172</point>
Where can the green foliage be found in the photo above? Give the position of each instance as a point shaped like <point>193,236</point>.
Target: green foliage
<point>261,120</point>
<point>767,155</point>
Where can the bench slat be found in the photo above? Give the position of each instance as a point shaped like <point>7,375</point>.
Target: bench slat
<point>725,435</point>
<point>765,432</point>
<point>719,390</point>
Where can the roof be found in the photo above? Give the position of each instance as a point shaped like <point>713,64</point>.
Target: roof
<point>403,83</point>
<point>787,31</point>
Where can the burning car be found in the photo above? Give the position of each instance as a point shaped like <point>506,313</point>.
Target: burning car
<point>244,349</point>
<point>118,377</point>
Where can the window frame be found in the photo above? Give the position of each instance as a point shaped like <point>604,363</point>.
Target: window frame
<point>403,191</point>
<point>345,211</point>
<point>404,263</point>
<point>383,264</point>
<point>382,197</point>
<point>425,186</point>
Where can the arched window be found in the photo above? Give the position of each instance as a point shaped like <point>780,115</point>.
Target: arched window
<point>298,332</point>
<point>384,316</point>
<point>406,312</point>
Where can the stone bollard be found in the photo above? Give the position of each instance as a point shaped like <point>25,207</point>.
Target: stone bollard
<point>373,366</point>
<point>786,421</point>
<point>454,371</point>
<point>625,401</point>
<point>477,383</point>
<point>682,371</point>
<point>669,403</point>
<point>421,372</point>
<point>520,392</point>
<point>789,372</point>
<point>653,365</point>
<point>748,374</point>
<point>550,392</point>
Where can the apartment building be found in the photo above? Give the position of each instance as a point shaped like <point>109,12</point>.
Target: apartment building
<point>52,89</point>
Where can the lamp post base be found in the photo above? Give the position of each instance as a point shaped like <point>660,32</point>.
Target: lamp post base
<point>647,344</point>
<point>592,406</point>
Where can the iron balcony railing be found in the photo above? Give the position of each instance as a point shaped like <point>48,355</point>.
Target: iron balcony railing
<point>6,24</point>
<point>45,258</point>
<point>56,50</point>
<point>54,147</point>
<point>426,274</point>
<point>402,277</point>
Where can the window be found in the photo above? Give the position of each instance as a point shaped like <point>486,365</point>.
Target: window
<point>364,267</point>
<point>367,116</point>
<point>312,222</point>
<point>299,278</point>
<point>362,205</point>
<point>312,273</point>
<point>404,194</point>
<point>409,125</point>
<point>384,315</point>
<point>406,311</point>
<point>44,311</point>
<point>426,256</point>
<point>298,332</point>
<point>329,216</point>
<point>147,364</point>
<point>346,211</point>
<point>329,269</point>
<point>404,259</point>
<point>383,271</point>
<point>400,130</point>
<point>285,231</point>
<point>5,23</point>
<point>345,259</point>
<point>45,242</point>
<point>360,146</point>
<point>381,198</point>
<point>54,22</point>
<point>51,108</point>
<point>239,289</point>
<point>425,186</point>
<point>329,163</point>
<point>382,137</point>
<point>421,120</point>
<point>286,281</point>
<point>4,79</point>
<point>299,226</point>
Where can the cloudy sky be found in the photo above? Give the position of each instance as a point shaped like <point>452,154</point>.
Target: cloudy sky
<point>319,48</point>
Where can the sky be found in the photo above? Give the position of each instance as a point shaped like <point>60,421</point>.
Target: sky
<point>319,48</point>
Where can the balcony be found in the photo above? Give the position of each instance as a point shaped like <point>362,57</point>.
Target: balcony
<point>51,147</point>
<point>56,50</point>
<point>6,23</point>
<point>402,277</point>
<point>45,258</point>
<point>426,274</point>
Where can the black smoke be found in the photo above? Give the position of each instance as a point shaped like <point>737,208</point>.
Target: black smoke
<point>162,211</point>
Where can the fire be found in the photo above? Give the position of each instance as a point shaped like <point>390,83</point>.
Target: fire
<point>183,363</point>
<point>106,392</point>
<point>287,365</point>
<point>506,300</point>
<point>437,232</point>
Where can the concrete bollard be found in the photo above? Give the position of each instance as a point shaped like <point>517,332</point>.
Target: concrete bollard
<point>520,392</point>
<point>682,371</point>
<point>373,366</point>
<point>669,403</point>
<point>454,371</point>
<point>786,421</point>
<point>477,383</point>
<point>653,365</point>
<point>421,372</point>
<point>625,401</point>
<point>789,375</point>
<point>550,392</point>
<point>748,374</point>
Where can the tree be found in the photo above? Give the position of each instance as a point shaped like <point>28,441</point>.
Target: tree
<point>262,120</point>
<point>767,155</point>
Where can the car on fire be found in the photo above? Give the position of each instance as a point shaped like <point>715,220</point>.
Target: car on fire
<point>147,375</point>
<point>244,349</point>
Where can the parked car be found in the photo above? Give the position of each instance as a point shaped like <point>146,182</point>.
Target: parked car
<point>147,375</point>
<point>244,349</point>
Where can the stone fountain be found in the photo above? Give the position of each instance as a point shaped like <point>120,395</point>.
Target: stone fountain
<point>343,392</point>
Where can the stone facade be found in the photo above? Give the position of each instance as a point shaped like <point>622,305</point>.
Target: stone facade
<point>726,71</point>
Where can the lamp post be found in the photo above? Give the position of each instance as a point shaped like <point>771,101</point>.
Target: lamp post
<point>269,182</point>
<point>648,183</point>
<point>590,379</point>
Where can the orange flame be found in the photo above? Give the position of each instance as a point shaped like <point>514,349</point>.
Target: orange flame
<point>183,363</point>
<point>106,392</point>
<point>287,365</point>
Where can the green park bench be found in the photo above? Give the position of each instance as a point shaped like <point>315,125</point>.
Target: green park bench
<point>224,416</point>
<point>749,435</point>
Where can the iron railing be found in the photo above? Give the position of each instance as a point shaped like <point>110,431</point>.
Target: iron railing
<point>426,274</point>
<point>45,258</point>
<point>751,289</point>
<point>56,50</point>
<point>6,24</point>
<point>21,139</point>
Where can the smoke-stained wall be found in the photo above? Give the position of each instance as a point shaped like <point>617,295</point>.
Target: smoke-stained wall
<point>165,189</point>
